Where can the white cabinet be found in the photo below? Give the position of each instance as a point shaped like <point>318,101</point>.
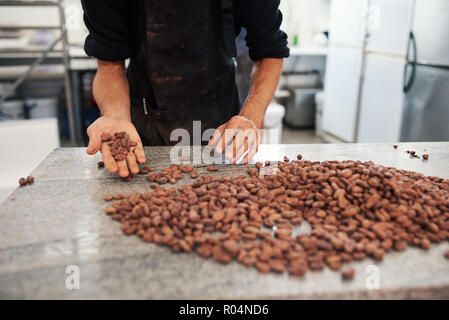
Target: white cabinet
<point>381,94</point>
<point>433,44</point>
<point>341,92</point>
<point>343,68</point>
<point>382,98</point>
<point>363,98</point>
<point>348,22</point>
<point>389,23</point>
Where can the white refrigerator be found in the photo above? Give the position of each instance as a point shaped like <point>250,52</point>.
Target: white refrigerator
<point>426,105</point>
<point>364,73</point>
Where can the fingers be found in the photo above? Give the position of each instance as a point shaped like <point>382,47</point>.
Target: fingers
<point>94,142</point>
<point>248,148</point>
<point>132,164</point>
<point>217,135</point>
<point>245,136</point>
<point>252,152</point>
<point>122,169</point>
<point>140,154</point>
<point>236,147</point>
<point>242,133</point>
<point>120,166</point>
<point>254,141</point>
<point>108,159</point>
<point>225,139</point>
<point>244,148</point>
<point>110,125</point>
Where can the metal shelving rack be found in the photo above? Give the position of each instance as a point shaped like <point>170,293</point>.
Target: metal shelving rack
<point>44,53</point>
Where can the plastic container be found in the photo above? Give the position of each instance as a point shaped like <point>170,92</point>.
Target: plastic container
<point>42,108</point>
<point>273,124</point>
<point>301,108</point>
<point>12,109</point>
<point>319,101</point>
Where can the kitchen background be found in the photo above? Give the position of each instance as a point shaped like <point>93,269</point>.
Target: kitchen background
<point>359,71</point>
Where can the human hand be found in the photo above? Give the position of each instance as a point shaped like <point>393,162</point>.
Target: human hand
<point>244,135</point>
<point>111,125</point>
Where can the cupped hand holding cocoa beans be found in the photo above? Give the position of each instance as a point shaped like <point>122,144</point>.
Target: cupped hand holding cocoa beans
<point>105,134</point>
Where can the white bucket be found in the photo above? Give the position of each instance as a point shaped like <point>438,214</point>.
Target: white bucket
<point>273,124</point>
<point>43,108</point>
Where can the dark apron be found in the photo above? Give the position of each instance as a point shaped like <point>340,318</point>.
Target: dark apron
<point>186,70</point>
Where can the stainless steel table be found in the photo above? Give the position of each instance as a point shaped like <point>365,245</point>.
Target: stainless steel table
<point>60,221</point>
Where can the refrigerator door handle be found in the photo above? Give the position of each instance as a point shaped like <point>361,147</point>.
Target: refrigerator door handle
<point>408,84</point>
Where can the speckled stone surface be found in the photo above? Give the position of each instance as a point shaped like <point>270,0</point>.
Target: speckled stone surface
<point>60,221</point>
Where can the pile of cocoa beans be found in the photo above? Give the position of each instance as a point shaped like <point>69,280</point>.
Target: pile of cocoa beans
<point>119,143</point>
<point>356,210</point>
<point>171,174</point>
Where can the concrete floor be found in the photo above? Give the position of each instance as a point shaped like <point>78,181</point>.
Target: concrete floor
<point>303,136</point>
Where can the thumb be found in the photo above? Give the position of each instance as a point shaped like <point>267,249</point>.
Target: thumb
<point>94,143</point>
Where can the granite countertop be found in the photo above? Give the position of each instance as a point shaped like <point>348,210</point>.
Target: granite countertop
<point>60,221</point>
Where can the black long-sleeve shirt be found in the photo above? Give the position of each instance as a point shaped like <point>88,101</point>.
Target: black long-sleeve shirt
<point>115,27</point>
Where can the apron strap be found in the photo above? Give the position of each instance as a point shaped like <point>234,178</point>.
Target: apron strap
<point>227,11</point>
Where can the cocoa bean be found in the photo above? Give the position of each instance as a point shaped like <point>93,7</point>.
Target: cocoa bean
<point>348,274</point>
